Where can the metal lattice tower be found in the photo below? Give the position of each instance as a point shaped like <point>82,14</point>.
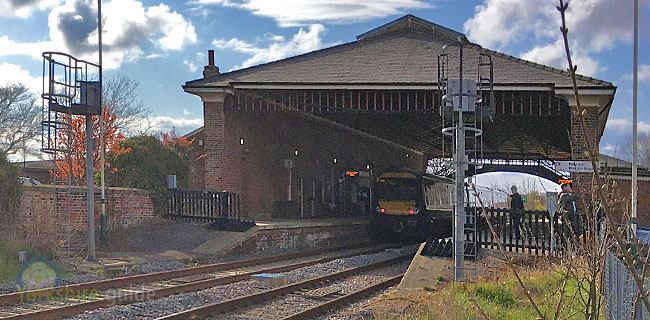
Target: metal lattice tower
<point>70,87</point>
<point>462,111</point>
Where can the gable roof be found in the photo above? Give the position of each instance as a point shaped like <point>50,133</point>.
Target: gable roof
<point>404,51</point>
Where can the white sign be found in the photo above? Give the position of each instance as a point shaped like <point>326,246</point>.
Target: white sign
<point>551,202</point>
<point>574,166</point>
<point>465,99</point>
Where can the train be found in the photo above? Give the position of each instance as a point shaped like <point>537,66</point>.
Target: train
<point>408,205</point>
<point>412,206</point>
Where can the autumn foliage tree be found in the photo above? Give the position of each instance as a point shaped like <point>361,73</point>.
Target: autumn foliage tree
<point>75,163</point>
<point>178,144</point>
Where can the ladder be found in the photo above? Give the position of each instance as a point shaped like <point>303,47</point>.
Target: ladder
<point>465,103</point>
<point>66,84</point>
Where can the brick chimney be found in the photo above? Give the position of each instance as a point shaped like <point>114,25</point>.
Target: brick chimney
<point>210,70</point>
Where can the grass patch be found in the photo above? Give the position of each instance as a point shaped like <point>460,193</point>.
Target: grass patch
<point>500,298</point>
<point>11,243</point>
<point>495,293</point>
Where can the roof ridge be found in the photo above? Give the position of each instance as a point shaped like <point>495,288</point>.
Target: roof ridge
<point>539,65</point>
<point>458,36</point>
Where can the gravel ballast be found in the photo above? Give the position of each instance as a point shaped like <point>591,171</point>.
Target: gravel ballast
<point>291,303</point>
<point>182,302</point>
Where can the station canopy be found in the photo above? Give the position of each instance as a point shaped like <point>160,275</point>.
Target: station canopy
<point>385,84</point>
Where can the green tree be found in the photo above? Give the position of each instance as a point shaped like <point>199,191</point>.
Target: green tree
<point>11,187</point>
<point>146,166</point>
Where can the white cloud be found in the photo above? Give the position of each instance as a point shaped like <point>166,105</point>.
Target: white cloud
<point>195,64</point>
<point>191,65</point>
<point>182,126</point>
<point>504,179</point>
<point>301,13</point>
<point>608,148</point>
<point>594,26</point>
<point>155,56</point>
<point>554,55</point>
<point>501,22</point>
<point>24,8</point>
<point>32,49</point>
<point>624,126</point>
<point>643,74</point>
<point>301,42</point>
<point>11,73</point>
<point>128,27</point>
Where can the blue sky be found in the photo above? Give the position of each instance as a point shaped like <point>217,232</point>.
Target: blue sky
<point>163,43</point>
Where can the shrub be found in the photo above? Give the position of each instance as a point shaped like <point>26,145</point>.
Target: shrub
<point>146,166</point>
<point>11,187</point>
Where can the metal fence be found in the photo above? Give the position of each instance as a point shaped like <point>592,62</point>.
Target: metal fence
<point>202,204</point>
<point>621,291</point>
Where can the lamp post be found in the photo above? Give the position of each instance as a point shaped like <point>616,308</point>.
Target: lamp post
<point>635,149</point>
<point>102,151</point>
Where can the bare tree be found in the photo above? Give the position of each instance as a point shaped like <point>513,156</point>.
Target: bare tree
<point>20,117</point>
<point>132,117</point>
<point>644,149</point>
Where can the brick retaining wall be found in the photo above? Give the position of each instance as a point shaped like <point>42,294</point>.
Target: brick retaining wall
<point>302,238</point>
<point>43,226</point>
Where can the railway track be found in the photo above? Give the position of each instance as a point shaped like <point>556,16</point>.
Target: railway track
<point>70,300</point>
<point>323,291</point>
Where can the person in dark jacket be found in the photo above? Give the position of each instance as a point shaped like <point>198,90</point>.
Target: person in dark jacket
<point>516,210</point>
<point>566,206</point>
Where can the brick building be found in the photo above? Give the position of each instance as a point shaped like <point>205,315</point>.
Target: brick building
<point>620,171</point>
<point>374,103</point>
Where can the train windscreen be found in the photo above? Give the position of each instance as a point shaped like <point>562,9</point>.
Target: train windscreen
<point>400,189</point>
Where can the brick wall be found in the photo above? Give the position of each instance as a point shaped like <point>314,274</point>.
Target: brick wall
<point>301,238</point>
<point>255,169</point>
<point>582,182</point>
<point>38,218</point>
<point>623,191</point>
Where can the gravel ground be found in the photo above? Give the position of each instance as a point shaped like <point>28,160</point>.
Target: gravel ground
<point>355,311</point>
<point>286,305</point>
<point>79,276</point>
<point>180,302</point>
<point>9,287</point>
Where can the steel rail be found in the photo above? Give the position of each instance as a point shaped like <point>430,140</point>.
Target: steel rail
<point>346,299</point>
<point>147,295</point>
<point>166,275</point>
<point>243,301</point>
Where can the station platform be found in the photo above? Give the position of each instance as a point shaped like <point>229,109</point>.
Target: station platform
<point>283,235</point>
<point>426,272</point>
<point>175,240</point>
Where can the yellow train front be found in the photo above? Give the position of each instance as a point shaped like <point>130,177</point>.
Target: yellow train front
<point>409,206</point>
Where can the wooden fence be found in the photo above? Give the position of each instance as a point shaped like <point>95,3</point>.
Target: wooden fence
<point>531,235</point>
